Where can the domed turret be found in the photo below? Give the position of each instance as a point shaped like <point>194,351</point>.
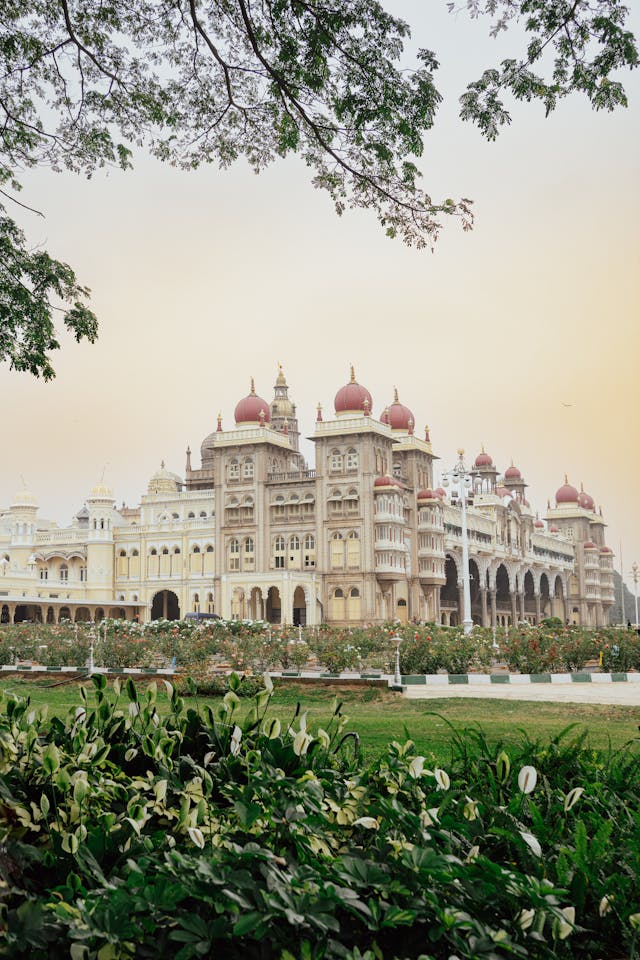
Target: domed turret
<point>538,524</point>
<point>385,482</point>
<point>483,459</point>
<point>566,493</point>
<point>585,500</point>
<point>101,491</point>
<point>397,416</point>
<point>252,409</point>
<point>24,498</point>
<point>164,482</point>
<point>512,473</point>
<point>353,398</point>
<point>427,495</point>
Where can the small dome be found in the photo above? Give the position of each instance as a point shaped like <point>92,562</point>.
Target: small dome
<point>397,416</point>
<point>585,500</point>
<point>512,473</point>
<point>441,492</point>
<point>385,482</point>
<point>553,529</point>
<point>606,550</point>
<point>252,409</point>
<point>427,495</point>
<point>589,545</point>
<point>538,524</point>
<point>100,491</point>
<point>163,481</point>
<point>353,398</point>
<point>483,459</point>
<point>24,498</point>
<point>567,493</point>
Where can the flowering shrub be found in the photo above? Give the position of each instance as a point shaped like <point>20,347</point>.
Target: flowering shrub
<point>254,646</point>
<point>126,832</point>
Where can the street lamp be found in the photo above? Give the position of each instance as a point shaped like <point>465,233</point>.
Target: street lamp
<point>634,577</point>
<point>460,482</point>
<point>397,676</point>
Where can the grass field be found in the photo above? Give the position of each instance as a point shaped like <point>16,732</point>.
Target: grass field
<point>379,716</point>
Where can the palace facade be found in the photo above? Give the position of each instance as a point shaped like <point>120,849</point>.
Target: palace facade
<point>363,537</point>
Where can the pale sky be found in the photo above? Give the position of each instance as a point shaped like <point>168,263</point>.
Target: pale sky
<point>202,280</point>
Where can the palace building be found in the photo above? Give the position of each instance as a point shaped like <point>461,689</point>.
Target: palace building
<point>363,537</point>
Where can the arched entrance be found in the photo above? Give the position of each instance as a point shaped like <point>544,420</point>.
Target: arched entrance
<point>558,603</point>
<point>529,596</point>
<point>4,616</point>
<point>299,608</point>
<point>237,604</point>
<point>274,606</point>
<point>83,615</point>
<point>449,589</point>
<point>545,602</point>
<point>165,606</point>
<point>503,594</point>
<point>402,611</point>
<point>474,592</point>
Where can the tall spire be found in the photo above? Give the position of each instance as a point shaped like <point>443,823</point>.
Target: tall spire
<point>253,388</point>
<point>353,374</point>
<point>395,395</point>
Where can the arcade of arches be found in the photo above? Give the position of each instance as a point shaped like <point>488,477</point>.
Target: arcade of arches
<point>498,599</point>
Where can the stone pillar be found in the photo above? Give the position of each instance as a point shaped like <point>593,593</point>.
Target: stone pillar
<point>514,609</point>
<point>492,598</point>
<point>522,610</point>
<point>483,603</point>
<point>538,608</point>
<point>565,601</point>
<point>460,603</point>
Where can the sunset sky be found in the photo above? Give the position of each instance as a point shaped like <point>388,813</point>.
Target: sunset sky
<point>522,335</point>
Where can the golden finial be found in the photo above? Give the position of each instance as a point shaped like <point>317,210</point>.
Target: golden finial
<point>353,374</point>
<point>395,395</point>
<point>162,464</point>
<point>482,449</point>
<point>253,388</point>
<point>461,451</point>
<point>566,479</point>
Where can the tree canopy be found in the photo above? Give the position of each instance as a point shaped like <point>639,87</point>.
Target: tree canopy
<point>83,83</point>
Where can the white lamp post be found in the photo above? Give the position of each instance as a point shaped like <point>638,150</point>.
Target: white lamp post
<point>460,482</point>
<point>634,577</point>
<point>397,676</point>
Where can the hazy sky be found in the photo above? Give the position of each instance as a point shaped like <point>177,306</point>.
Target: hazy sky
<point>201,280</point>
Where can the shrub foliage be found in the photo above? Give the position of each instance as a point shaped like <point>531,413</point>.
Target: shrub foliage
<point>200,834</point>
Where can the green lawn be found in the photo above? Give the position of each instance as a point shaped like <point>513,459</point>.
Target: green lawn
<point>379,716</point>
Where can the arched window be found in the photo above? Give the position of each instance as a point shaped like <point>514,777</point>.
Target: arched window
<point>337,551</point>
<point>134,553</point>
<point>203,514</point>
<point>355,592</point>
<point>196,602</point>
<point>210,603</point>
<point>153,552</point>
<point>294,543</point>
<point>337,605</point>
<point>338,593</point>
<point>165,550</point>
<point>191,515</point>
<point>234,469</point>
<point>195,548</point>
<point>309,550</point>
<point>278,552</point>
<point>352,459</point>
<point>247,468</point>
<point>64,572</point>
<point>249,545</point>
<point>176,516</point>
<point>122,553</point>
<point>353,550</point>
<point>335,461</point>
<point>209,548</point>
<point>234,554</point>
<point>176,549</point>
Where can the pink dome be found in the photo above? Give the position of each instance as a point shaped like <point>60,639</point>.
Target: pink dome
<point>512,473</point>
<point>385,482</point>
<point>585,500</point>
<point>589,545</point>
<point>606,550</point>
<point>427,495</point>
<point>397,416</point>
<point>483,459</point>
<point>553,529</point>
<point>539,524</point>
<point>567,493</point>
<point>353,398</point>
<point>441,493</point>
<point>249,409</point>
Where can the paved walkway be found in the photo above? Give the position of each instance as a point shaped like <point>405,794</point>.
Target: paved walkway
<point>624,694</point>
